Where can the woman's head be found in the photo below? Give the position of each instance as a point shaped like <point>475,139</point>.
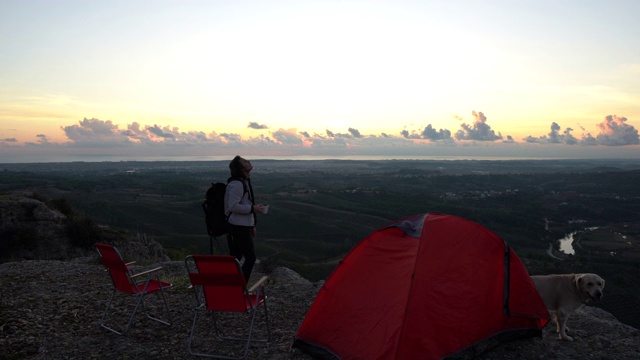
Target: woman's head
<point>240,167</point>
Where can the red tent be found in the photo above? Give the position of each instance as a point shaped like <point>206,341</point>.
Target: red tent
<point>427,286</point>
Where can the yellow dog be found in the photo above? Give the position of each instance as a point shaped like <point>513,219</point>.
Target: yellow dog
<point>564,293</point>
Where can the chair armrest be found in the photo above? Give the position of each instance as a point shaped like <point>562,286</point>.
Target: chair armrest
<point>146,272</point>
<point>259,283</point>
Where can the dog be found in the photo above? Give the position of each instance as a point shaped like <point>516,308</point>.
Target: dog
<point>564,293</point>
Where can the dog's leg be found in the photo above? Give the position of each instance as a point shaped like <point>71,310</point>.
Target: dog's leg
<point>554,316</point>
<point>562,326</point>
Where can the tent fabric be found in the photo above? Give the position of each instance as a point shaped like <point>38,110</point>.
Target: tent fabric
<point>427,286</point>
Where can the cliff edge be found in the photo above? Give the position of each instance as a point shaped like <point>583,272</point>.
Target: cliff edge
<point>51,309</point>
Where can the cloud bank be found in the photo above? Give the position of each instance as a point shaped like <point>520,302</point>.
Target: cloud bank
<point>614,131</point>
<point>103,136</point>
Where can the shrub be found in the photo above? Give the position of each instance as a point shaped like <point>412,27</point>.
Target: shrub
<point>63,206</point>
<point>82,231</point>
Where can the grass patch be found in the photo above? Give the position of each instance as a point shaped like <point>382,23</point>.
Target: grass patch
<point>180,283</point>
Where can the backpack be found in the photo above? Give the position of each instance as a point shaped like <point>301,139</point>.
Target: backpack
<point>213,207</point>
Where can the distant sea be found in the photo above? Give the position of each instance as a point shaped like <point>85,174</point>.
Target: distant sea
<point>104,158</point>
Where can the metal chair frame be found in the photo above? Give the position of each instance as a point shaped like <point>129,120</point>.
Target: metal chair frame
<point>136,284</point>
<point>252,300</point>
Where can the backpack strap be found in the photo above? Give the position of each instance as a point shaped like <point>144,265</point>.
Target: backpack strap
<point>246,182</point>
<point>244,185</point>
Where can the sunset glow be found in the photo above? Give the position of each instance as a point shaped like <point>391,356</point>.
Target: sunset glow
<point>198,78</point>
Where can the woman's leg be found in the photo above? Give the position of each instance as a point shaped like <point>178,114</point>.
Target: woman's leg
<point>243,246</point>
<point>233,247</point>
<point>249,253</point>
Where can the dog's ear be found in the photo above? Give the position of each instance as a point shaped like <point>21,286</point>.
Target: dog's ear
<point>577,280</point>
<point>601,279</point>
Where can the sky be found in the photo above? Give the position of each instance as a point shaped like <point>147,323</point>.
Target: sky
<point>495,78</point>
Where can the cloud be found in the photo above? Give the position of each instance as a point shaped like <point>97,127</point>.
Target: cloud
<point>289,137</point>
<point>94,132</point>
<point>413,135</point>
<point>355,133</point>
<point>157,131</point>
<point>97,133</point>
<point>260,141</point>
<point>615,132</point>
<point>234,138</point>
<point>9,140</point>
<point>479,130</point>
<point>336,135</point>
<point>534,140</point>
<point>589,140</point>
<point>42,139</point>
<point>255,125</point>
<point>568,138</point>
<point>555,136</point>
<point>430,133</point>
<point>134,131</point>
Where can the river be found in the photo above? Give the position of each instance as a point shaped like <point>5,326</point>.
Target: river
<point>566,243</point>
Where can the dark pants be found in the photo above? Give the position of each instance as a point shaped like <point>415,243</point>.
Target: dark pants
<point>241,245</point>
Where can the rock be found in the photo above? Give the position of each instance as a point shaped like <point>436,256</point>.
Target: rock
<point>30,230</point>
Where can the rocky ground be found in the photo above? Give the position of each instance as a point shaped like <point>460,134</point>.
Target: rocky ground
<point>51,310</point>
<point>52,296</point>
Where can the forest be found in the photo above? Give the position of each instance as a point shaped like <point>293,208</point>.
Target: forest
<point>320,209</point>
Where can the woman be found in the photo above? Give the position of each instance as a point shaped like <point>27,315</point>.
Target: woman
<point>241,211</point>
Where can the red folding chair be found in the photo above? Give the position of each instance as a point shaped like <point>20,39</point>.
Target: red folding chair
<point>137,285</point>
<point>219,286</point>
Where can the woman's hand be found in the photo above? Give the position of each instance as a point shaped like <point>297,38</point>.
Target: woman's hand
<point>259,208</point>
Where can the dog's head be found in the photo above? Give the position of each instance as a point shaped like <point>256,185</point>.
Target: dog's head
<point>590,286</point>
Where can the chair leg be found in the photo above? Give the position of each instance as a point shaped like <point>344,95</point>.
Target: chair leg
<point>139,301</point>
<point>193,328</point>
<point>253,314</point>
<point>133,314</point>
<point>106,311</point>
<point>266,319</point>
<point>247,341</point>
<point>166,309</point>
